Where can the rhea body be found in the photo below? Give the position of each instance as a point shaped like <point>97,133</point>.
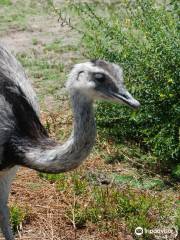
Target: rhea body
<point>23,139</point>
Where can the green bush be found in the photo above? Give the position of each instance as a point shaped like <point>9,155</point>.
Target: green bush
<point>141,36</point>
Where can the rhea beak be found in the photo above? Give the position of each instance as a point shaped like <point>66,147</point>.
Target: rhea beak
<point>124,97</point>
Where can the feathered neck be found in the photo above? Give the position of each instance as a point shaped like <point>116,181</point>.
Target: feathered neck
<point>55,158</point>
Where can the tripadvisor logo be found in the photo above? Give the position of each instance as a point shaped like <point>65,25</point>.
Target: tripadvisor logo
<point>158,233</point>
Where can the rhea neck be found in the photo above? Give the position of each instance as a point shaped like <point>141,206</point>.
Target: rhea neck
<point>70,155</point>
<point>84,129</point>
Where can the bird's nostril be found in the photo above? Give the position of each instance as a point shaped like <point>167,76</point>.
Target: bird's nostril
<point>124,96</point>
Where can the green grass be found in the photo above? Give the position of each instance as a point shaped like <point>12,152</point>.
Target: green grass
<point>12,16</point>
<point>53,177</point>
<point>48,74</point>
<point>5,2</point>
<point>47,71</point>
<point>55,46</point>
<point>58,47</point>
<point>141,183</point>
<point>115,204</point>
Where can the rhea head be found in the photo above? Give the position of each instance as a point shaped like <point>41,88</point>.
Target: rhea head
<point>99,79</point>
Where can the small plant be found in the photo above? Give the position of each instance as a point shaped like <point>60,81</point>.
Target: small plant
<point>126,200</point>
<point>17,216</point>
<point>110,204</point>
<point>34,41</point>
<point>53,177</point>
<point>79,184</point>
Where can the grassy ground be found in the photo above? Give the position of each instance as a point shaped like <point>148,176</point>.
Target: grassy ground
<point>110,194</point>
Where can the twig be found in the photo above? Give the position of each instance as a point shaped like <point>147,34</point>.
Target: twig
<point>64,20</point>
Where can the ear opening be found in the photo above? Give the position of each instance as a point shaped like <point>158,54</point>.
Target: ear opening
<point>79,74</point>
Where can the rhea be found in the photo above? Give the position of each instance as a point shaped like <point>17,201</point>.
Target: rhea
<point>23,139</point>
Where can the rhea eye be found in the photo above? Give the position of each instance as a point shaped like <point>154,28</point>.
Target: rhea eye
<point>99,77</point>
